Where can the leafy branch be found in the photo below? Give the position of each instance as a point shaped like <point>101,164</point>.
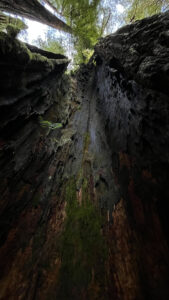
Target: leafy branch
<point>48,124</point>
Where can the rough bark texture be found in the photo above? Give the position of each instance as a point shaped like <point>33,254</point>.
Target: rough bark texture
<point>33,10</point>
<point>84,208</point>
<point>132,79</point>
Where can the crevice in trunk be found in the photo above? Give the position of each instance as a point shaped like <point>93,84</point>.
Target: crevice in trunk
<point>84,207</point>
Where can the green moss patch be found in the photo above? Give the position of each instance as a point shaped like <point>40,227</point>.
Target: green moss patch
<point>83,250</point>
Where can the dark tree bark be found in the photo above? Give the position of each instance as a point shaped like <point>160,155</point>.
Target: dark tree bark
<point>32,9</point>
<point>84,208</point>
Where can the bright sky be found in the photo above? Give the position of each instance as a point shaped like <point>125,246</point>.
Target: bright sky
<point>36,29</point>
<point>120,8</point>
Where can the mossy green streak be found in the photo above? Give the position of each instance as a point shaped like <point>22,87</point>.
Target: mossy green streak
<point>83,248</point>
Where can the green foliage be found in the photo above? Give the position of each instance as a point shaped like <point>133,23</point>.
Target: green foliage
<point>82,16</point>
<point>48,124</point>
<point>82,56</point>
<point>140,9</point>
<point>109,17</point>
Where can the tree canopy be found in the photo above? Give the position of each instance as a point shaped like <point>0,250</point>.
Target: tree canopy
<point>140,9</point>
<point>82,17</point>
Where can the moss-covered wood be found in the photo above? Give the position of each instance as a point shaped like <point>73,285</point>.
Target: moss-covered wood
<point>83,249</point>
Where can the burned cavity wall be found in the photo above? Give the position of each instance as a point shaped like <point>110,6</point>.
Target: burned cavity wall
<point>133,99</point>
<point>36,98</point>
<point>84,207</point>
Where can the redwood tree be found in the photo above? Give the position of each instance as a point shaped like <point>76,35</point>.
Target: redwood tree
<point>32,9</point>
